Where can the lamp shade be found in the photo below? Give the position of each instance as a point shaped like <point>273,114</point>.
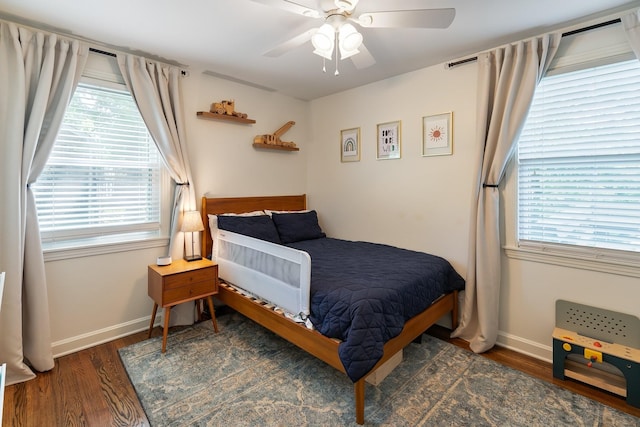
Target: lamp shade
<point>191,222</point>
<point>323,41</point>
<point>349,40</point>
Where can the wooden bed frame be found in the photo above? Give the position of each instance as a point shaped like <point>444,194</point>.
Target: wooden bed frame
<point>320,346</point>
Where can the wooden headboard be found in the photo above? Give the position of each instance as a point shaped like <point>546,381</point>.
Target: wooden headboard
<point>216,206</point>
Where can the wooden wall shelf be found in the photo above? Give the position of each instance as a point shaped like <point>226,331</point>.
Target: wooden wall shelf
<point>208,115</point>
<point>275,147</point>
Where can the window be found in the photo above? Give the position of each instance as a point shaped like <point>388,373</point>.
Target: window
<point>103,177</point>
<point>579,161</point>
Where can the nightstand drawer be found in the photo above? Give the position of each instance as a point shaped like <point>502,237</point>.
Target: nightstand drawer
<point>188,277</point>
<point>184,293</point>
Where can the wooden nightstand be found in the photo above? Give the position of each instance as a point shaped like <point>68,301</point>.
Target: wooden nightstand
<point>179,282</point>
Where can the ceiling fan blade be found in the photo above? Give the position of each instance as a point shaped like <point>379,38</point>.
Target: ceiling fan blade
<point>291,6</point>
<point>290,44</point>
<point>363,59</point>
<point>420,18</point>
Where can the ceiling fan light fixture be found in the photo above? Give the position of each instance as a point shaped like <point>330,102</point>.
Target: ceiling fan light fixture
<point>323,41</point>
<point>346,4</point>
<point>366,20</point>
<point>327,54</point>
<point>349,40</point>
<point>346,53</point>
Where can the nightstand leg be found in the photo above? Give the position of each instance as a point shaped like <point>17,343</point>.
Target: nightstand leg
<point>213,313</point>
<point>167,311</point>
<point>153,318</point>
<point>199,309</point>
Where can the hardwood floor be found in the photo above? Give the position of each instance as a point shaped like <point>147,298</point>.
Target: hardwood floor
<point>87,388</point>
<point>91,387</point>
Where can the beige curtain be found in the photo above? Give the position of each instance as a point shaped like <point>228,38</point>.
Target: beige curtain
<point>38,74</point>
<point>157,92</point>
<point>507,80</point>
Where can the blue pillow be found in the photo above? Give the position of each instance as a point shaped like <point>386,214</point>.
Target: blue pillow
<point>259,227</point>
<point>294,227</point>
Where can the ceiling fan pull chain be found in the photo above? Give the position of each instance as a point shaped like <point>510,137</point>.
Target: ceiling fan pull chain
<point>337,73</point>
<point>324,65</point>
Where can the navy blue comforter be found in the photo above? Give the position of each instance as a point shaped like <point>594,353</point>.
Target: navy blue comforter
<point>362,293</point>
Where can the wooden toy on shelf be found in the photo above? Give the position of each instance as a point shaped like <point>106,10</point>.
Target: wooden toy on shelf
<point>274,141</point>
<point>226,108</point>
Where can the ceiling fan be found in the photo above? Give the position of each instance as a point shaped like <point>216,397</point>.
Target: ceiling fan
<point>339,33</point>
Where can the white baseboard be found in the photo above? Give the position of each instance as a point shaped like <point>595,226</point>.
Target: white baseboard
<point>524,346</point>
<point>101,336</point>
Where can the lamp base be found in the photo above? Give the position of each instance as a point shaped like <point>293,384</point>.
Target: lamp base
<point>192,257</point>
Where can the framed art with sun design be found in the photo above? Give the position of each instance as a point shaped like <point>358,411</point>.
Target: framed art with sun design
<point>389,140</point>
<point>437,135</point>
<point>350,145</point>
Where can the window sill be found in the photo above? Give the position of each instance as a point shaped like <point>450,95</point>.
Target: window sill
<point>584,260</point>
<point>56,251</point>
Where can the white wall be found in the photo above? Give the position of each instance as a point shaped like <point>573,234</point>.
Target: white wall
<point>223,160</point>
<point>97,298</point>
<point>415,202</point>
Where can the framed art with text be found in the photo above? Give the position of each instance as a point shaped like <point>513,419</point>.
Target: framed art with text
<point>437,135</point>
<point>350,145</point>
<point>389,140</point>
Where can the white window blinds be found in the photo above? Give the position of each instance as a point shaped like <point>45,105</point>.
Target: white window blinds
<point>579,160</point>
<point>103,175</point>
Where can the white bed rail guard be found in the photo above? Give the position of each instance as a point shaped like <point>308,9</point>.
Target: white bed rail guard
<point>275,273</point>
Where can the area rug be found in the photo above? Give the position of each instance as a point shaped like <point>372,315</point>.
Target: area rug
<point>247,376</point>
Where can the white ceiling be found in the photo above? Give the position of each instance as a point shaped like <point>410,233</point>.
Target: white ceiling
<point>228,37</point>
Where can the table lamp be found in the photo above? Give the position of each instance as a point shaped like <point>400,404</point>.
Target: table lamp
<point>191,223</point>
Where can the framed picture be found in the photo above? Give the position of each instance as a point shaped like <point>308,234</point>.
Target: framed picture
<point>437,135</point>
<point>389,140</point>
<point>350,145</point>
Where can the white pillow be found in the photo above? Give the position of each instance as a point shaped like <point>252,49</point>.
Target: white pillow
<point>213,227</point>
<point>268,212</point>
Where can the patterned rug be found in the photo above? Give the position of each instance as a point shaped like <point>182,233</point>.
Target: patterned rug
<point>247,376</point>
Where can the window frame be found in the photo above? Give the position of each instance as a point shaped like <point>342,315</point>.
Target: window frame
<point>75,247</point>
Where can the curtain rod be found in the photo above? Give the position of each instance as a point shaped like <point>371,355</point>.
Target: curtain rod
<point>568,33</point>
<point>113,55</point>
<point>592,27</point>
<point>462,61</point>
<point>102,52</point>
